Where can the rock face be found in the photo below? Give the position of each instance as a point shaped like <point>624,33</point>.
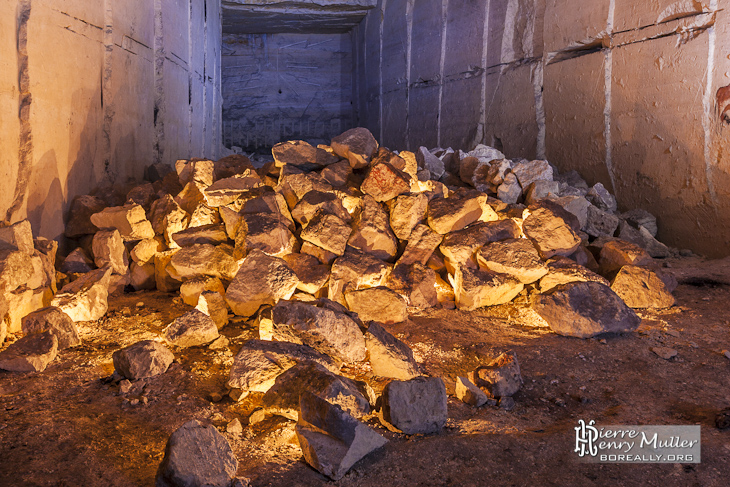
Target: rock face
<point>283,397</point>
<point>32,353</point>
<point>197,455</point>
<point>54,320</point>
<point>259,362</point>
<point>388,356</point>
<point>378,304</point>
<point>640,287</point>
<point>262,279</point>
<point>332,441</point>
<point>130,220</point>
<point>585,309</point>
<point>416,406</point>
<point>516,257</point>
<point>550,233</point>
<point>192,329</point>
<point>85,299</point>
<point>147,358</point>
<point>326,331</point>
<point>356,145</point>
<point>501,377</point>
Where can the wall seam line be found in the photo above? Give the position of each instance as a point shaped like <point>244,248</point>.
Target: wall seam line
<point>708,105</point>
<point>442,64</point>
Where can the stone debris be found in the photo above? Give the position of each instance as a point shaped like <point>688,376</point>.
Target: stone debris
<point>378,304</point>
<point>312,275</point>
<point>79,221</point>
<point>264,232</point>
<point>108,249</point>
<point>192,329</point>
<point>422,243</point>
<point>601,198</point>
<point>550,232</point>
<point>212,234</point>
<point>18,236</point>
<point>85,299</point>
<point>385,182</point>
<point>202,260</point>
<point>527,172</point>
<point>130,220</point>
<point>664,352</point>
<point>562,270</point>
<point>476,288</point>
<point>416,283</point>
<point>191,289</point>
<point>355,270</point>
<point>428,161</point>
<point>470,394</point>
<point>316,201</point>
<point>327,232</point>
<point>32,353</point>
<point>371,231</point>
<point>388,356</point>
<point>197,455</point>
<point>584,310</point>
<point>460,247</point>
<point>516,257</point>
<point>213,304</point>
<point>143,359</point>
<point>167,218</point>
<point>145,250</point>
<point>500,378</point>
<point>641,287</point>
<point>600,223</point>
<point>446,215</point>
<point>406,212</point>
<point>416,406</point>
<point>54,320</point>
<point>356,145</point>
<point>332,441</point>
<point>617,253</point>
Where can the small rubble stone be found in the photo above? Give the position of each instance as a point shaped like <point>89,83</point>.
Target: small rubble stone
<point>485,153</point>
<point>266,233</point>
<point>322,255</point>
<point>446,215</point>
<point>328,232</point>
<point>618,253</point>
<point>331,440</point>
<point>507,403</point>
<point>501,377</point>
<point>388,356</point>
<point>85,299</point>
<point>356,145</point>
<point>600,223</point>
<point>562,270</point>
<point>54,320</point>
<point>664,352</point>
<point>18,236</point>
<point>226,191</point>
<point>108,249</point>
<point>602,198</point>
<point>262,279</point>
<point>167,218</point>
<point>549,232</point>
<point>191,289</point>
<point>639,218</point>
<point>197,455</point>
<point>312,275</point>
<point>422,242</point>
<point>79,221</point>
<point>377,304</point>
<point>416,406</point>
<point>125,386</point>
<point>219,343</point>
<point>317,201</point>
<point>527,172</point>
<point>164,282</point>
<point>641,287</point>
<point>416,283</point>
<point>510,190</point>
<point>355,270</point>
<point>541,189</point>
<point>213,234</point>
<point>202,260</point>
<point>337,174</point>
<point>146,358</point>
<point>584,310</point>
<point>16,269</point>
<point>426,160</point>
<point>371,231</point>
<point>259,362</point>
<point>234,427</point>
<point>576,205</point>
<point>294,185</point>
<point>470,394</point>
<point>459,248</point>
<point>144,252</point>
<point>192,329</point>
<point>385,182</point>
<point>516,257</point>
<point>476,288</point>
<point>32,353</point>
<point>406,212</point>
<point>130,220</point>
<point>213,304</point>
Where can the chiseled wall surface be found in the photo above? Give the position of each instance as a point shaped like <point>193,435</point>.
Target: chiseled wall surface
<point>628,93</point>
<point>92,92</point>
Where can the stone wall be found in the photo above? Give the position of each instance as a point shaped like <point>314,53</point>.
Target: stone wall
<point>628,93</point>
<point>92,92</point>
<point>285,86</point>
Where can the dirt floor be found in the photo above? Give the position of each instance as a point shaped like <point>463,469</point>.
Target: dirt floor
<point>69,426</point>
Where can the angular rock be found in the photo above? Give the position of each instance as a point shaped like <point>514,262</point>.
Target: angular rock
<point>142,195</point>
<point>639,218</point>
<point>388,356</point>
<point>501,377</point>
<point>331,440</point>
<point>226,191</point>
<point>541,189</point>
<point>584,310</point>
<point>430,162</point>
<point>32,353</point>
<point>85,299</point>
<point>262,279</point>
<point>601,198</point>
<point>283,397</point>
<point>377,304</point>
<point>371,231</point>
<point>416,406</point>
<point>79,220</point>
<point>204,234</point>
<point>324,256</point>
<point>385,182</point>
<point>108,249</point>
<point>527,172</point>
<point>641,287</point>
<point>213,304</point>
<point>146,358</point>
<point>356,145</point>
<point>202,260</point>
<point>510,190</point>
<point>459,248</point>
<point>54,320</point>
<point>337,174</point>
<point>328,232</point>
<point>164,282</point>
<point>550,233</point>
<point>600,223</point>
<point>266,233</point>
<point>195,456</point>
<point>326,331</point>
<point>470,394</point>
<point>445,293</point>
<point>618,253</point>
<point>295,153</point>
<point>488,176</point>
<point>16,268</point>
<point>230,166</point>
<point>144,252</point>
<point>516,257</point>
<point>312,275</point>
<point>446,215</point>
<point>355,270</point>
<point>142,277</point>
<point>562,270</point>
<point>167,218</point>
<point>406,212</point>
<point>294,185</point>
<point>191,289</point>
<point>22,302</point>
<point>476,288</point>
<point>191,197</point>
<point>317,201</point>
<point>130,220</point>
<point>422,243</point>
<point>576,205</point>
<point>259,362</point>
<point>18,236</point>
<point>203,215</point>
<point>192,329</point>
<point>416,283</point>
<point>485,153</point>
<point>76,262</point>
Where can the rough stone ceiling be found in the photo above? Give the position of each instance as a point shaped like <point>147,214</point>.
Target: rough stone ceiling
<point>300,16</point>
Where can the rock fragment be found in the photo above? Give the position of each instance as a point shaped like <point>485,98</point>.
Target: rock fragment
<point>377,304</point>
<point>371,231</point>
<point>85,299</point>
<point>549,232</point>
<point>108,249</point>
<point>54,320</point>
<point>79,221</point>
<point>416,406</point>
<point>501,377</point>
<point>470,394</point>
<point>388,356</point>
<point>327,232</point>
<point>32,353</point>
<point>18,236</point>
<point>446,215</point>
<point>641,287</point>
<point>356,145</point>
<point>146,358</point>
<point>192,329</point>
<point>476,288</point>
<point>406,212</point>
<point>384,182</point>
<point>130,220</point>
<point>516,257</point>
<point>213,304</point>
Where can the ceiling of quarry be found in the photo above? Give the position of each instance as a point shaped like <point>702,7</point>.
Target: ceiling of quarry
<point>303,16</point>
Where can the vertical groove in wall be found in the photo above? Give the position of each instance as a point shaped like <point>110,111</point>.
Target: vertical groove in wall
<point>409,41</point>
<point>107,92</point>
<point>442,63</point>
<point>707,105</point>
<point>537,86</point>
<point>380,71</point>
<point>608,86</point>
<point>356,81</point>
<point>191,72</point>
<point>481,134</point>
<point>25,148</point>
<point>205,78</point>
<point>159,105</point>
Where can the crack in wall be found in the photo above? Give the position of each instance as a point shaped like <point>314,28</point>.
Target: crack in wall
<point>481,133</point>
<point>25,149</point>
<point>159,98</point>
<point>409,57</point>
<point>707,106</point>
<point>442,63</point>
<point>380,69</point>
<point>107,92</point>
